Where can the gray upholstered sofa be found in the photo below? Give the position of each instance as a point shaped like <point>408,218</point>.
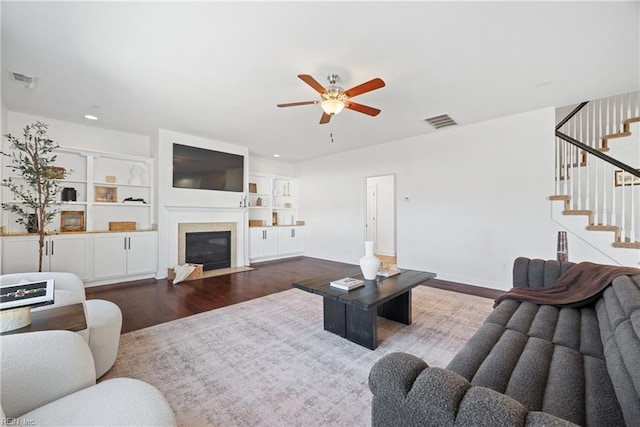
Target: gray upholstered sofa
<point>527,364</point>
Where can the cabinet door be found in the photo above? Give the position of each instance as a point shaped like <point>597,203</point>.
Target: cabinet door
<point>256,242</point>
<point>270,242</point>
<point>20,255</point>
<point>69,254</point>
<point>110,255</point>
<point>141,253</point>
<point>285,240</point>
<point>289,240</point>
<point>298,240</point>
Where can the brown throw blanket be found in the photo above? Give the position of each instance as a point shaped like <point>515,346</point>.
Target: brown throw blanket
<point>580,285</point>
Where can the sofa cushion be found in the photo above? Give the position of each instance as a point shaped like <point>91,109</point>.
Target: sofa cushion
<point>619,321</point>
<point>546,358</point>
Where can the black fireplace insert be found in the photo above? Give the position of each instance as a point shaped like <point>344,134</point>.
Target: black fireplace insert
<point>212,249</point>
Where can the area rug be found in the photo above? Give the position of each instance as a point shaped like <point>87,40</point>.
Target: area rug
<point>268,361</point>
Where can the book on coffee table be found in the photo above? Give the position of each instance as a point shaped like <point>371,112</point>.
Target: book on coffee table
<point>387,271</point>
<point>347,284</point>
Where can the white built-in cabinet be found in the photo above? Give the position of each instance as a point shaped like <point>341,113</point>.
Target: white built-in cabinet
<point>61,253</point>
<point>290,240</point>
<point>263,242</point>
<point>273,206</point>
<point>124,254</point>
<point>103,182</point>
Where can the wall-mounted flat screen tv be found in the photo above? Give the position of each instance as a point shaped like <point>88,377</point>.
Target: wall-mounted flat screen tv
<point>204,169</point>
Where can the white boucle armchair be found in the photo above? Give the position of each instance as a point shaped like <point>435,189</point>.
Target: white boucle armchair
<point>104,318</point>
<point>48,378</point>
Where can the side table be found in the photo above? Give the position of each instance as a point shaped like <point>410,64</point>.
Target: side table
<point>67,317</point>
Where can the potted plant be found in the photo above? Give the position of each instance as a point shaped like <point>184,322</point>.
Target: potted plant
<point>35,192</point>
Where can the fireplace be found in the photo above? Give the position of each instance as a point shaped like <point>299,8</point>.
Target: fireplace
<point>212,249</point>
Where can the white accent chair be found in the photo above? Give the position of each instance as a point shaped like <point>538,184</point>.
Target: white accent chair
<point>104,318</point>
<point>48,378</point>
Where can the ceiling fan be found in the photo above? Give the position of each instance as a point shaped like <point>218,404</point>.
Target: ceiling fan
<point>334,98</point>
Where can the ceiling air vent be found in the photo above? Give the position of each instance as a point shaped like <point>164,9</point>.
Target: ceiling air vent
<point>27,81</point>
<point>441,121</point>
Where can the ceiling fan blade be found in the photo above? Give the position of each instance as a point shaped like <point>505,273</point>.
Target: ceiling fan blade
<point>364,87</point>
<point>362,108</point>
<point>325,118</point>
<point>294,104</point>
<point>312,82</point>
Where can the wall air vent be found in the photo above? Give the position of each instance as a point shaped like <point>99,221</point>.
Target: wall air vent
<point>27,81</point>
<point>441,121</point>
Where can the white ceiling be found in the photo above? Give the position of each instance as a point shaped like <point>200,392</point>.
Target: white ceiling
<point>218,69</point>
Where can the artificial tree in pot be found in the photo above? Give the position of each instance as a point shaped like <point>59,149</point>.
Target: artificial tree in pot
<point>36,192</point>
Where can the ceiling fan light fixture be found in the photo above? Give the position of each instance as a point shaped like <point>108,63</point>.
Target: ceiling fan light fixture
<point>332,106</point>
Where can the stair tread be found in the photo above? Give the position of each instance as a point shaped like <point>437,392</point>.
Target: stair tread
<point>559,197</point>
<point>600,227</point>
<point>577,212</point>
<point>627,245</point>
<point>616,135</point>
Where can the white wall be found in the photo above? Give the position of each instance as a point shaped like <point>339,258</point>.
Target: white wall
<point>68,134</point>
<point>478,199</point>
<point>271,167</point>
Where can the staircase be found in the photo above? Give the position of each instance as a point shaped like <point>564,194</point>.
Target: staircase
<point>597,185</point>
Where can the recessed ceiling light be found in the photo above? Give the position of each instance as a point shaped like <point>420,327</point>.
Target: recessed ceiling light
<point>276,155</point>
<point>90,117</point>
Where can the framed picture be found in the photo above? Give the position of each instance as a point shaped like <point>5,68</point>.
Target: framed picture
<point>253,187</point>
<point>72,221</point>
<point>105,194</point>
<point>625,179</point>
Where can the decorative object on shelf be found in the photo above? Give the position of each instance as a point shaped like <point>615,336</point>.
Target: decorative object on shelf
<point>69,194</point>
<point>136,175</point>
<point>122,226</point>
<point>256,223</point>
<point>563,246</point>
<point>105,194</point>
<point>71,221</point>
<point>253,187</point>
<point>369,263</point>
<point>34,160</point>
<point>259,201</point>
<point>288,205</point>
<point>286,189</point>
<point>274,218</point>
<point>111,179</point>
<point>138,201</point>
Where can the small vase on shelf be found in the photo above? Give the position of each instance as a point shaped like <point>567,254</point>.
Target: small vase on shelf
<point>369,263</point>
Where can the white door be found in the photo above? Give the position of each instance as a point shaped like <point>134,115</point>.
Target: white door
<point>372,204</point>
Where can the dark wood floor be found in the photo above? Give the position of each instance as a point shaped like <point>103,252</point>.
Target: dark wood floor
<point>150,302</point>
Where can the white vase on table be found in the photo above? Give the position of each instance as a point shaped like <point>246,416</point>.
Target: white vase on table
<point>369,263</point>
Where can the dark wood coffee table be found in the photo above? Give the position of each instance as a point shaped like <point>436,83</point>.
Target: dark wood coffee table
<point>353,314</point>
